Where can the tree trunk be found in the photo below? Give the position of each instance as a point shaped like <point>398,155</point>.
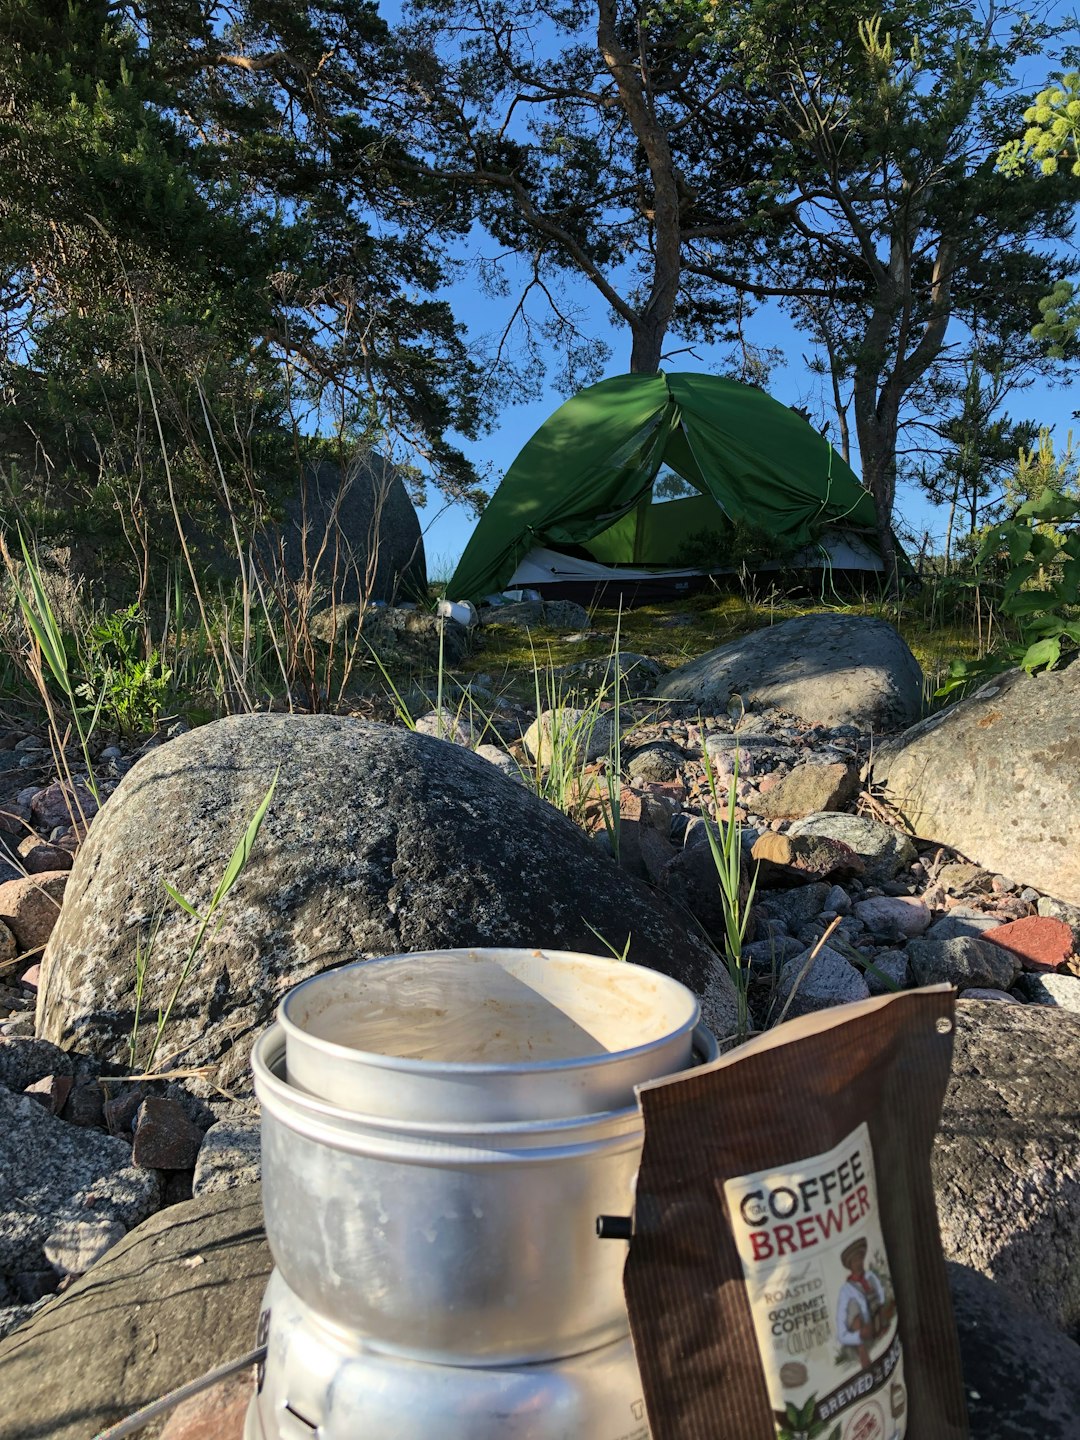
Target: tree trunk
<point>647,347</point>
<point>948,532</point>
<point>665,211</point>
<point>877,447</point>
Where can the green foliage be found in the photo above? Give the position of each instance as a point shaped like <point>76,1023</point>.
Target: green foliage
<point>977,456</point>
<point>202,196</point>
<point>1052,136</point>
<point>1059,327</point>
<point>1040,550</point>
<point>801,1423</point>
<point>49,656</point>
<point>739,543</point>
<point>1042,466</point>
<point>565,734</point>
<point>1053,133</point>
<point>131,688</point>
<point>878,219</point>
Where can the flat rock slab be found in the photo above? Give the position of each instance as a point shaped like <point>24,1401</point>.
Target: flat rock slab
<point>883,849</point>
<point>52,1173</point>
<point>189,1286</point>
<point>176,1298</point>
<point>1006,1161</point>
<point>996,777</point>
<point>1021,1376</point>
<point>826,669</point>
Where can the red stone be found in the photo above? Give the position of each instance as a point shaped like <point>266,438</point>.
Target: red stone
<point>629,804</point>
<point>1039,942</point>
<point>216,1414</point>
<point>165,1139</point>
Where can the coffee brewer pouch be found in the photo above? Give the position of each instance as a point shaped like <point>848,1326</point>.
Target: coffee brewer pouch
<point>785,1279</point>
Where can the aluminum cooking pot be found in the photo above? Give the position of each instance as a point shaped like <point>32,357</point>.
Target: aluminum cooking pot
<point>449,1244</point>
<point>469,1035</point>
<point>437,1193</point>
<point>470,1244</point>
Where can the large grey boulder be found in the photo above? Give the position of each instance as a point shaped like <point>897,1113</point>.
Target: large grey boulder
<point>827,669</point>
<point>378,841</point>
<point>996,777</point>
<point>1006,1162</point>
<point>355,533</point>
<point>177,1297</point>
<point>363,538</point>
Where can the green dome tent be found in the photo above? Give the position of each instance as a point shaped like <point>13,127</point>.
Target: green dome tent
<point>585,479</point>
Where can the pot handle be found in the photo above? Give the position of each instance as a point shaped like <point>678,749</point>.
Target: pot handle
<point>614,1227</point>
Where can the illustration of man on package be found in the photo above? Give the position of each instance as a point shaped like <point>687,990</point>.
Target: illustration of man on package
<point>862,1312</point>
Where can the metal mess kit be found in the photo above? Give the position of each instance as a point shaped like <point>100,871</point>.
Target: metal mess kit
<point>440,1133</point>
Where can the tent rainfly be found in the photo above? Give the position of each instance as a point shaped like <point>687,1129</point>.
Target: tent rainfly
<point>584,483</point>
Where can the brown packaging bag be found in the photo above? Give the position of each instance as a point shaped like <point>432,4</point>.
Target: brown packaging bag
<point>785,1279</point>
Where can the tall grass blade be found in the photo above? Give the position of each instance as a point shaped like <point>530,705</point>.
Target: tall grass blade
<point>242,854</point>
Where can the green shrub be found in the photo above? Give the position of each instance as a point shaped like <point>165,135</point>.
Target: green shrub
<point>1039,549</point>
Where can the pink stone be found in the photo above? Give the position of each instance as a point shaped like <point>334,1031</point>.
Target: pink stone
<point>30,907</point>
<point>629,804</point>
<point>216,1414</point>
<point>51,1091</point>
<point>1038,941</point>
<point>57,804</point>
